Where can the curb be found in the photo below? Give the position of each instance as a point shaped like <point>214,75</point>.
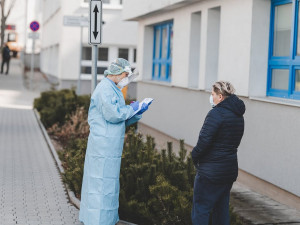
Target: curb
<point>71,194</point>
<point>75,201</point>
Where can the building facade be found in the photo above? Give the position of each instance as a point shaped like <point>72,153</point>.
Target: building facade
<point>184,46</point>
<point>20,17</point>
<point>66,54</point>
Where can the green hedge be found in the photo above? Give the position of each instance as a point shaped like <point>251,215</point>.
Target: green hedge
<point>73,161</point>
<point>58,106</point>
<point>156,186</point>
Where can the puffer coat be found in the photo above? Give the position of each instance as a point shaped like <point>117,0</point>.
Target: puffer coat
<point>215,155</point>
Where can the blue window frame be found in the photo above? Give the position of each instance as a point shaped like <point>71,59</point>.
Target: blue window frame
<point>284,50</point>
<point>162,52</point>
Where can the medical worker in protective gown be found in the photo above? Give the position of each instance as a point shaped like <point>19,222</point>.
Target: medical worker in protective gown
<point>108,116</point>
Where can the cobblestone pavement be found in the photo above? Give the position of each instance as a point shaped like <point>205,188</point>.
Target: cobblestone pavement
<point>254,208</point>
<point>31,189</point>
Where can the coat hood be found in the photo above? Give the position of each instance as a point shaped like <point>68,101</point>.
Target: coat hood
<point>234,104</point>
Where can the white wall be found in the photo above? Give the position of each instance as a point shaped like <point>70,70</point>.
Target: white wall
<point>61,44</point>
<point>259,48</point>
<point>195,49</point>
<point>270,146</point>
<point>212,46</point>
<point>137,8</point>
<point>269,150</point>
<point>17,17</point>
<point>51,37</point>
<point>234,44</point>
<point>69,50</point>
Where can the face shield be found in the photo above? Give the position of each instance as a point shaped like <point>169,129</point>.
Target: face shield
<point>127,80</point>
<point>133,75</point>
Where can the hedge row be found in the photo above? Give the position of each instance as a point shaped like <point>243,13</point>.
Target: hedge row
<point>156,186</point>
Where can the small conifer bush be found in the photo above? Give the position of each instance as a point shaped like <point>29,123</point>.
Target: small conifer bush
<point>156,187</point>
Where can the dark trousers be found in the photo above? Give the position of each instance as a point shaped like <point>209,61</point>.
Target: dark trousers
<point>210,197</point>
<point>7,66</point>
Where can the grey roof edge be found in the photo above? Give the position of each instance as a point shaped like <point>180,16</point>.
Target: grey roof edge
<point>153,12</point>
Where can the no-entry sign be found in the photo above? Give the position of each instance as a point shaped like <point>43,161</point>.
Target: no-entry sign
<point>34,26</point>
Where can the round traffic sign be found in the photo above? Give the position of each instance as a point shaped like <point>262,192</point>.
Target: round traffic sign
<point>34,26</point>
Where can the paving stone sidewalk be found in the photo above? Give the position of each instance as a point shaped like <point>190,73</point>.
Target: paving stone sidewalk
<point>31,189</point>
<point>254,208</point>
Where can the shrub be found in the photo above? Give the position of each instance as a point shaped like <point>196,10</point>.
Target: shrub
<point>76,127</point>
<point>57,106</point>
<point>73,162</point>
<point>156,188</point>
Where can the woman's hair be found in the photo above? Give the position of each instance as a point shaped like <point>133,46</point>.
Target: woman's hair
<point>224,88</point>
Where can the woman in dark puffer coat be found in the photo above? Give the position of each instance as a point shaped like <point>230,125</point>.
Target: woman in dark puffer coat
<point>215,156</point>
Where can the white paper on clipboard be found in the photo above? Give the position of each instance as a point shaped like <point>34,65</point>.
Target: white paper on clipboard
<point>147,101</point>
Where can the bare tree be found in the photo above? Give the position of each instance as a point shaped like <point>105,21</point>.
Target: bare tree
<point>5,16</point>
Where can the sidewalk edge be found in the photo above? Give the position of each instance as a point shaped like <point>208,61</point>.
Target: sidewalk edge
<point>71,194</point>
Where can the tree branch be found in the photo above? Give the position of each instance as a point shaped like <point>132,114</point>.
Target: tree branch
<point>10,7</point>
<point>2,8</point>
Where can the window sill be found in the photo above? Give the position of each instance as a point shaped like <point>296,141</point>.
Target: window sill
<point>280,101</point>
<point>162,83</point>
<point>168,84</point>
<point>104,5</point>
<point>84,76</point>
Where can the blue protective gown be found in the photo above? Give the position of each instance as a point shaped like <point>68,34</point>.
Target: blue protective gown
<point>108,117</point>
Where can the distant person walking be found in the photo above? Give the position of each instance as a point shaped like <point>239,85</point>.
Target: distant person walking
<point>215,156</point>
<point>5,58</point>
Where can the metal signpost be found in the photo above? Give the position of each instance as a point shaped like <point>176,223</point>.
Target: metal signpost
<point>95,35</point>
<point>77,21</point>
<point>34,26</point>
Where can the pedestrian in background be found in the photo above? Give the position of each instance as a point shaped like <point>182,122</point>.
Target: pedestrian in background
<point>5,58</point>
<point>108,116</point>
<point>215,156</point>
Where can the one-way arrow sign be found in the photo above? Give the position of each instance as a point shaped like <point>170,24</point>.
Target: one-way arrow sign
<point>95,22</point>
<point>95,32</point>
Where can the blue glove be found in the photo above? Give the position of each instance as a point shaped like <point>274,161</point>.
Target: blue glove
<point>143,109</point>
<point>135,105</point>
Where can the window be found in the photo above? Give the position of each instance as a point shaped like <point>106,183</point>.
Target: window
<point>100,70</point>
<point>212,46</point>
<point>134,55</point>
<point>123,53</point>
<point>195,39</point>
<point>284,50</point>
<point>86,53</point>
<point>162,52</point>
<point>103,54</point>
<point>11,37</point>
<point>86,69</point>
<point>104,1</point>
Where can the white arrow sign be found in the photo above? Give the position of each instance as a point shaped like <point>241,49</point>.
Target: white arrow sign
<point>95,22</point>
<point>76,21</point>
<point>33,35</point>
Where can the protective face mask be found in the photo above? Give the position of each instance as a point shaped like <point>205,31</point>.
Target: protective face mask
<point>124,82</point>
<point>211,101</point>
